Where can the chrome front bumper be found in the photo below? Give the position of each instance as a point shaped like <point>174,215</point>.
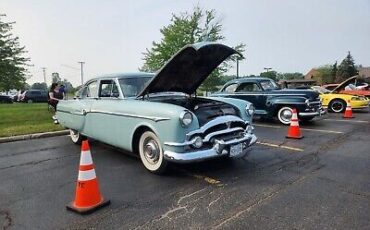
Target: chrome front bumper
<point>320,112</point>
<point>220,148</point>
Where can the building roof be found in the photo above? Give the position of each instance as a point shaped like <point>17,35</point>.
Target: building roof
<point>364,72</point>
<point>311,74</point>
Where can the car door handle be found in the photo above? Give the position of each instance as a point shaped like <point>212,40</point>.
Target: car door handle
<point>84,112</point>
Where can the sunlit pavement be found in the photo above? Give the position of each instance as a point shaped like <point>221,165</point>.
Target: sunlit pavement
<point>320,181</point>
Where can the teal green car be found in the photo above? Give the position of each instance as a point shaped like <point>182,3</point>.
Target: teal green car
<point>159,116</point>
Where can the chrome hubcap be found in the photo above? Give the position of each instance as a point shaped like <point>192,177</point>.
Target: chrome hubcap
<point>151,151</point>
<point>286,115</point>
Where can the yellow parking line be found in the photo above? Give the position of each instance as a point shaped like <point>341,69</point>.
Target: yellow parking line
<point>207,179</point>
<point>314,130</point>
<point>358,121</point>
<point>280,146</point>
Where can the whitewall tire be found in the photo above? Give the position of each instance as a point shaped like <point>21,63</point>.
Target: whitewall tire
<point>151,153</point>
<point>285,114</point>
<point>76,137</point>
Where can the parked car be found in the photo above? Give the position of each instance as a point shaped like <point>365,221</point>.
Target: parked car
<point>337,103</point>
<point>270,101</point>
<point>5,99</point>
<point>33,95</point>
<point>159,116</point>
<point>349,87</point>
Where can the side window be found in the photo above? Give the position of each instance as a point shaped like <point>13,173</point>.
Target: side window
<point>231,88</point>
<point>108,88</point>
<point>248,87</point>
<point>90,91</point>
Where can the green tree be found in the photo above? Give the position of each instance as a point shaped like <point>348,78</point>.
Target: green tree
<point>324,74</point>
<point>188,28</point>
<point>270,74</point>
<point>13,65</point>
<point>290,76</point>
<point>334,71</point>
<point>346,69</point>
<point>55,78</point>
<point>68,86</point>
<point>40,86</point>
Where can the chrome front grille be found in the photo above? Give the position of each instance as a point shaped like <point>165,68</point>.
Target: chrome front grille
<point>222,128</point>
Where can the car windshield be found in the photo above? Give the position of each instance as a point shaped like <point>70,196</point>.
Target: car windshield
<point>350,87</point>
<point>320,89</point>
<point>131,87</point>
<point>269,85</point>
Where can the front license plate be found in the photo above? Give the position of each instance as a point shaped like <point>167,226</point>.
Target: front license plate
<point>236,150</point>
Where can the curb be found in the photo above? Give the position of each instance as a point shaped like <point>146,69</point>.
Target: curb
<point>33,136</point>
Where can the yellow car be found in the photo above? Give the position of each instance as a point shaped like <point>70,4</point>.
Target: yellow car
<point>336,102</point>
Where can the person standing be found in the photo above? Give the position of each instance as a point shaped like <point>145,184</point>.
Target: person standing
<point>62,91</point>
<point>54,97</point>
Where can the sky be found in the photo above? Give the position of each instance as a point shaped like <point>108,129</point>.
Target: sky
<point>110,36</point>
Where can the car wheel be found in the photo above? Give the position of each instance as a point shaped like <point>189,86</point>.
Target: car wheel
<point>76,137</point>
<point>285,114</point>
<point>337,106</point>
<point>29,101</point>
<point>151,153</point>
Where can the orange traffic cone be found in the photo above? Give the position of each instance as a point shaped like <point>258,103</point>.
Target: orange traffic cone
<point>348,112</point>
<point>294,131</point>
<point>88,197</point>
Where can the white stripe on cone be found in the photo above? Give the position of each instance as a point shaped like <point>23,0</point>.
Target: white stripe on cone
<point>86,175</point>
<point>86,158</point>
<point>294,123</point>
<point>294,116</point>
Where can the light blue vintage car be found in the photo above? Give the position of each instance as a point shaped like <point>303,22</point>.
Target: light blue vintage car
<point>159,115</point>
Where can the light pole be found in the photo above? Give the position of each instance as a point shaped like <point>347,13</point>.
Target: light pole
<point>237,68</point>
<point>44,72</point>
<point>82,71</point>
<point>267,69</point>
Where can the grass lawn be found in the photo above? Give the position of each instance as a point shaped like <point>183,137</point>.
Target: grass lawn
<point>20,118</point>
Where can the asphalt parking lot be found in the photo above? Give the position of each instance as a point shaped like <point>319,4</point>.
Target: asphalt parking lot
<point>319,182</point>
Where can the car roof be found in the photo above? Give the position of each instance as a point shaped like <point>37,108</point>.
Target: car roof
<point>123,75</point>
<point>249,79</point>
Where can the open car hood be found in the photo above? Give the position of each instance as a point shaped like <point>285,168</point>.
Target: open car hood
<point>343,85</point>
<point>187,69</point>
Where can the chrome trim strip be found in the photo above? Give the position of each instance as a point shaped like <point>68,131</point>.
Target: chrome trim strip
<point>70,112</point>
<point>308,114</point>
<point>175,144</point>
<point>156,119</point>
<point>259,94</point>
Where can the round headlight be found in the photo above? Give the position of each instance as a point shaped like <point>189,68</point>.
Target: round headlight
<point>186,118</point>
<point>250,109</point>
<point>197,142</point>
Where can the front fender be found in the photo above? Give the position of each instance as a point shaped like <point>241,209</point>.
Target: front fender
<point>274,103</point>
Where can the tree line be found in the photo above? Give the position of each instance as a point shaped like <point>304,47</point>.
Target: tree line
<point>185,28</point>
